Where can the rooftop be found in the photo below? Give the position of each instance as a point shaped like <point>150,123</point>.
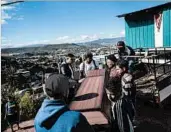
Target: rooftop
<point>147,10</point>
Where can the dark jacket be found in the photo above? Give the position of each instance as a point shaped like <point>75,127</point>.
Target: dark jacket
<point>55,116</point>
<point>128,51</point>
<point>66,70</point>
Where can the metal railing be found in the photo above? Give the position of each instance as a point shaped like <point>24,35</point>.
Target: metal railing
<point>160,58</point>
<point>157,59</point>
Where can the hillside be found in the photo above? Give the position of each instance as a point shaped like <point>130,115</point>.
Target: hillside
<point>105,41</point>
<point>70,46</point>
<point>44,48</point>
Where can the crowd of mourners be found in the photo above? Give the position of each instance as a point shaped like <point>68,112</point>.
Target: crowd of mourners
<point>55,115</point>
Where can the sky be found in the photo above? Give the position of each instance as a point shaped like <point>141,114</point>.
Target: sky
<point>55,22</point>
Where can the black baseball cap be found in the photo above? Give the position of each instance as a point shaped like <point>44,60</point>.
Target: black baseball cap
<point>120,44</point>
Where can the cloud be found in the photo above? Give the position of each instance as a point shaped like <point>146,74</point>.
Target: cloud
<point>76,39</point>
<point>59,40</point>
<point>5,16</point>
<point>38,42</point>
<point>122,33</point>
<point>3,22</point>
<point>45,41</point>
<point>89,37</point>
<point>62,38</point>
<point>5,42</point>
<point>32,43</point>
<point>84,37</point>
<point>7,7</point>
<point>3,2</point>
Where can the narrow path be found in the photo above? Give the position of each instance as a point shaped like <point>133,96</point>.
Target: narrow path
<point>26,126</point>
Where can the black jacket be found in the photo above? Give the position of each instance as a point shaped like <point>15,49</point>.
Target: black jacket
<point>66,70</point>
<point>128,51</point>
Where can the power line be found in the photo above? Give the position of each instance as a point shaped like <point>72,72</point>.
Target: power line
<point>10,3</point>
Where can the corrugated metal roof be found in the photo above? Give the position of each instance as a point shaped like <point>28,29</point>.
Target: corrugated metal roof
<point>151,9</point>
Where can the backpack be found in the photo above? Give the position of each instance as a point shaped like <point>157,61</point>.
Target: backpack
<point>93,64</point>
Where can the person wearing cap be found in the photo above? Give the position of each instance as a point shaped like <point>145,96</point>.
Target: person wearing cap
<point>87,65</point>
<point>54,114</point>
<point>124,50</point>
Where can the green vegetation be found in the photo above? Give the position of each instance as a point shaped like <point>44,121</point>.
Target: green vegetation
<point>27,106</point>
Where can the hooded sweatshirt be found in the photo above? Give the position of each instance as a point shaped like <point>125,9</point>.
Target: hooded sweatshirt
<point>55,116</point>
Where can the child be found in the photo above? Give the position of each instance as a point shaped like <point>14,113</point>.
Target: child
<point>128,87</point>
<point>122,118</point>
<point>12,113</point>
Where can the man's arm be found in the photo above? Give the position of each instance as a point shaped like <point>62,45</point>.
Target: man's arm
<point>81,70</point>
<point>63,71</point>
<point>131,51</point>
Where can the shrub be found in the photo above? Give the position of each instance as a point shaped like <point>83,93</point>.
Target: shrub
<point>27,106</point>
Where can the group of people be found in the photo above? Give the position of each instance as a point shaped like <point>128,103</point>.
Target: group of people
<point>87,63</point>
<point>55,115</point>
<point>121,91</point>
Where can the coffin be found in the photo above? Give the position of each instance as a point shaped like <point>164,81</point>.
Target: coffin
<point>91,99</point>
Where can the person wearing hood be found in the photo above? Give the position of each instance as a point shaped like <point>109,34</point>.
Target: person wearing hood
<point>54,114</point>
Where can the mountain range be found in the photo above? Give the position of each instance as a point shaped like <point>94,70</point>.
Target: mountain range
<point>104,41</point>
<point>45,47</point>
